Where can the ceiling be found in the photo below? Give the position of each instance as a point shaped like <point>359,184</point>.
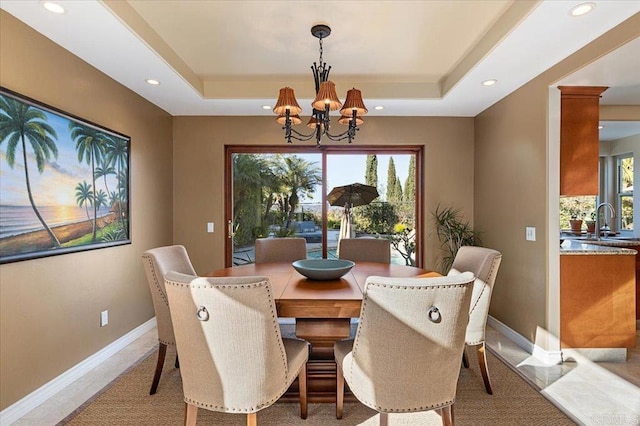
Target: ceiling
<point>415,58</point>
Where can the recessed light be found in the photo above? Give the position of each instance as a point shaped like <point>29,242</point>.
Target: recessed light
<point>53,7</point>
<point>378,107</point>
<point>582,9</point>
<point>266,107</point>
<point>601,127</point>
<point>152,81</point>
<point>490,82</point>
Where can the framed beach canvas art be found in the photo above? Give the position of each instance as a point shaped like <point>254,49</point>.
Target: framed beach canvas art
<point>64,182</point>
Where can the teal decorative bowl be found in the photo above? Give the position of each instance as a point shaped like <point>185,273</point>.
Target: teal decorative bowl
<point>323,269</point>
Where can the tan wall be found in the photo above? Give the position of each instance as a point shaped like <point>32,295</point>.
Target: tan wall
<point>620,112</point>
<point>511,186</point>
<point>199,171</point>
<point>50,307</point>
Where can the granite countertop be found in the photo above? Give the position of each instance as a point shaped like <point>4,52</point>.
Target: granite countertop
<point>606,247</point>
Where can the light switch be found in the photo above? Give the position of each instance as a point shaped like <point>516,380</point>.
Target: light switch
<point>530,233</point>
<point>210,227</point>
<point>104,318</point>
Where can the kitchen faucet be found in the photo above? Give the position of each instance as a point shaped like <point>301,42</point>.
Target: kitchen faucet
<point>613,214</point>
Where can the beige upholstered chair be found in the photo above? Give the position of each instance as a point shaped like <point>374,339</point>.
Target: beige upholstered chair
<point>365,250</point>
<point>484,264</point>
<point>233,358</point>
<point>157,262</point>
<point>280,249</point>
<point>407,349</point>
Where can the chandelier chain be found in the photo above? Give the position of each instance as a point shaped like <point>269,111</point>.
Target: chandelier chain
<point>321,50</point>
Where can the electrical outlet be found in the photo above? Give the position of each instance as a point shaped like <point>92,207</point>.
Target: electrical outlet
<point>104,318</point>
<point>530,233</point>
<point>210,227</point>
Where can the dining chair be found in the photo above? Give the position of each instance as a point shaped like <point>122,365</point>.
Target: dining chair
<point>157,262</point>
<point>483,263</point>
<point>365,250</point>
<point>280,249</point>
<point>406,353</point>
<point>233,358</point>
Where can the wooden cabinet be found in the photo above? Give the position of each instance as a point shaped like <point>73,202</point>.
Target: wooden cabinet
<point>636,248</point>
<point>579,139</point>
<point>597,301</point>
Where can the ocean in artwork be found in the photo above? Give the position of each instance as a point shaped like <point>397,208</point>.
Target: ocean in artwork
<point>15,220</point>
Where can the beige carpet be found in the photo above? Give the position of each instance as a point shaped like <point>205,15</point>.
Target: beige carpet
<point>127,402</point>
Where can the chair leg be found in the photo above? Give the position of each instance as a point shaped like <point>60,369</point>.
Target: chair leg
<point>190,415</point>
<point>482,359</point>
<point>162,351</point>
<point>384,419</point>
<point>177,365</point>
<point>447,415</point>
<point>465,358</point>
<point>302,390</point>
<point>252,419</point>
<point>339,391</point>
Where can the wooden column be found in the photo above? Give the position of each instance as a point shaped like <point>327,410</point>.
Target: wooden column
<point>579,139</point>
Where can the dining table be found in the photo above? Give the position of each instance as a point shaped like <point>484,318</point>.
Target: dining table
<point>322,310</point>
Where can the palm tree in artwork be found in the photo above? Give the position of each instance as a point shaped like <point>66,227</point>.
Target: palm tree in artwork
<point>103,170</point>
<point>84,196</point>
<point>21,123</point>
<point>90,144</point>
<point>116,153</point>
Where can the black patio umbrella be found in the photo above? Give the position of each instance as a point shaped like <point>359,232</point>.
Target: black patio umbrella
<point>354,195</point>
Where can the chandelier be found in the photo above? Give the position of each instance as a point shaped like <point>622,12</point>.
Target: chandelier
<point>288,110</point>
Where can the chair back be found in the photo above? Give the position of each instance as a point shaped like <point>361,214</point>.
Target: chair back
<point>280,249</point>
<point>365,250</point>
<point>483,263</point>
<point>157,262</point>
<point>405,356</point>
<point>232,358</point>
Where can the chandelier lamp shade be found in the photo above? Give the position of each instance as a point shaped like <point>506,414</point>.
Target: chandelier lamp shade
<point>288,110</point>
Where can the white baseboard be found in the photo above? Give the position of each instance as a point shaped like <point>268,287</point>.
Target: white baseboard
<point>510,334</point>
<point>15,411</point>
<point>544,355</point>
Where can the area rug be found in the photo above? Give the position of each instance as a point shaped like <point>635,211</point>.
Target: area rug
<point>126,401</point>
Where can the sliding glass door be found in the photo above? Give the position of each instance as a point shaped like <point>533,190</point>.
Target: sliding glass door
<point>282,192</point>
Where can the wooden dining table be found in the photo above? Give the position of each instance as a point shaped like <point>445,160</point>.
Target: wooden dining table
<point>322,312</point>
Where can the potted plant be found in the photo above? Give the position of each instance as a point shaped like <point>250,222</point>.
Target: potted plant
<point>591,223</point>
<point>453,233</point>
<point>576,221</point>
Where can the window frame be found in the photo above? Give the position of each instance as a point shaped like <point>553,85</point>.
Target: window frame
<point>619,193</point>
<point>324,150</point>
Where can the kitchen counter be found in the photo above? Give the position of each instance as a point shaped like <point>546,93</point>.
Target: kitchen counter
<point>593,247</point>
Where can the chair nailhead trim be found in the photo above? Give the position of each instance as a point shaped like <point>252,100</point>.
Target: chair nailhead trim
<point>484,287</point>
<point>155,279</point>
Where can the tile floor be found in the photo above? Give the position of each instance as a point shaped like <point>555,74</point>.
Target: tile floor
<point>589,393</point>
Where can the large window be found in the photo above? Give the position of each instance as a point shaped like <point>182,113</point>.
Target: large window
<point>625,192</point>
<point>282,191</point>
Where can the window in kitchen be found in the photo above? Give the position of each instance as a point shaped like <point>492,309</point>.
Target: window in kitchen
<point>625,192</point>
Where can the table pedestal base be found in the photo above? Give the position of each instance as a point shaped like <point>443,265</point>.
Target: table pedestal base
<point>321,333</point>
